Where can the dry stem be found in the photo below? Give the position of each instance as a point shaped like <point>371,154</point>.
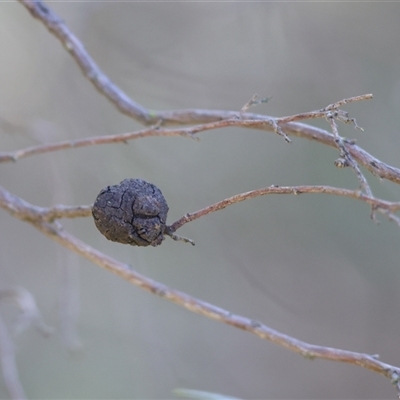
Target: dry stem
<point>23,210</point>
<point>383,206</point>
<point>372,164</point>
<point>44,218</point>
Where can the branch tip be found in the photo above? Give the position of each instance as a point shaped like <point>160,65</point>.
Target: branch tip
<point>278,130</point>
<point>254,101</point>
<point>168,232</point>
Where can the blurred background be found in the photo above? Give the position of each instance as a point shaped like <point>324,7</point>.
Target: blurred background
<point>313,266</point>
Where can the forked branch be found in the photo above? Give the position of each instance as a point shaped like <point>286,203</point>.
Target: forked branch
<point>160,122</point>
<point>55,231</point>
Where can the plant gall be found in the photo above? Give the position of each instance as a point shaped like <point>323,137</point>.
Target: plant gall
<point>133,212</point>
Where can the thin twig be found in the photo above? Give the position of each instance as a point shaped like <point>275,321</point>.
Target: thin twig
<point>32,213</point>
<point>385,207</point>
<point>346,156</point>
<point>29,212</point>
<point>310,351</point>
<point>72,44</point>
<point>123,102</point>
<point>127,106</point>
<point>125,137</point>
<point>208,310</point>
<point>254,101</point>
<point>372,164</point>
<point>177,238</point>
<point>60,211</point>
<point>321,113</point>
<point>283,126</point>
<point>338,104</point>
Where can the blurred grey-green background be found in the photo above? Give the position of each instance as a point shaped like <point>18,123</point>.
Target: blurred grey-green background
<point>314,267</point>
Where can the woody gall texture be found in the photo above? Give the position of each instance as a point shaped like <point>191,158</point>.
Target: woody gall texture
<point>133,212</point>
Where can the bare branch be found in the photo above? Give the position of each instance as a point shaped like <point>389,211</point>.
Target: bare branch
<point>29,316</point>
<point>104,85</point>
<point>151,117</point>
<point>346,156</point>
<point>340,103</point>
<point>372,164</point>
<point>210,311</point>
<point>60,211</point>
<point>31,213</point>
<point>72,44</point>
<point>322,113</point>
<point>383,206</point>
<point>58,234</point>
<point>28,212</point>
<point>121,138</point>
<point>177,238</point>
<point>9,365</point>
<point>351,155</point>
<point>283,126</point>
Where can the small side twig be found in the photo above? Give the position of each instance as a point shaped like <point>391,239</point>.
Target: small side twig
<point>177,238</point>
<point>344,154</point>
<point>254,101</point>
<point>321,113</point>
<point>333,113</point>
<point>338,104</point>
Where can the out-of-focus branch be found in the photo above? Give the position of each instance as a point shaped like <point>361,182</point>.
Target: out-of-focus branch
<point>9,365</point>
<point>29,313</point>
<point>29,316</point>
<point>56,232</point>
